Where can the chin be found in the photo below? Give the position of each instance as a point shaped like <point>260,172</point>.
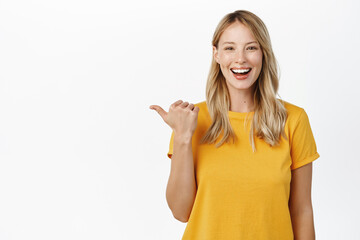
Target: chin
<point>241,85</point>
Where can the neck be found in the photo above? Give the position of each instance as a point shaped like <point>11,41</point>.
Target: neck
<point>241,101</point>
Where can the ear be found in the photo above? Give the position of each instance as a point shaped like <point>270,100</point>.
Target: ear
<point>215,54</point>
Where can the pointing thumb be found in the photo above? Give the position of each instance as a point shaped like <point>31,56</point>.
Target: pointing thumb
<point>161,111</point>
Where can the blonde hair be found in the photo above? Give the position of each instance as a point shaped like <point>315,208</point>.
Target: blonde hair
<point>269,114</point>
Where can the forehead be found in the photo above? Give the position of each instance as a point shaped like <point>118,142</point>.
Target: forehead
<point>238,33</point>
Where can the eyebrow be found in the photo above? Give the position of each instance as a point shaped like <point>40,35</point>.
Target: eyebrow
<point>234,43</point>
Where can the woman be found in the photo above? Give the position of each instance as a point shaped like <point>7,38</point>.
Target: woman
<point>241,161</point>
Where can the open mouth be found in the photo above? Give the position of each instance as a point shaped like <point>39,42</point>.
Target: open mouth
<point>241,72</point>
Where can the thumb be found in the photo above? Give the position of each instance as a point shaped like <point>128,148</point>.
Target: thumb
<point>161,111</point>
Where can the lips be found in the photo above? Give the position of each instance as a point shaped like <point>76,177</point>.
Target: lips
<point>241,68</point>
<point>241,76</point>
<point>240,72</point>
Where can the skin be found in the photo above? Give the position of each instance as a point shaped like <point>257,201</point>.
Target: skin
<point>300,205</point>
<point>239,54</point>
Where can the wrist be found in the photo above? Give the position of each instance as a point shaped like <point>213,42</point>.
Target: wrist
<point>185,138</point>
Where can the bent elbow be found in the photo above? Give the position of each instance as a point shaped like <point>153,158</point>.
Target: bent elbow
<point>181,219</point>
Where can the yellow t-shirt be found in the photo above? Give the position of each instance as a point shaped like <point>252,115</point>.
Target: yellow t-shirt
<point>244,195</point>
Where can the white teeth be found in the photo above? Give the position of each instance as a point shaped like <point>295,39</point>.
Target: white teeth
<point>240,70</point>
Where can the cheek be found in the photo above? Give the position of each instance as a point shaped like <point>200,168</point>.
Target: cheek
<point>256,59</point>
<point>227,60</point>
<point>224,58</point>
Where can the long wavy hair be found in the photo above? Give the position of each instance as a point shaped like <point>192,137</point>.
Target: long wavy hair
<point>270,113</point>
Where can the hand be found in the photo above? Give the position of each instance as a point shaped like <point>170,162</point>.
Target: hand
<point>182,117</point>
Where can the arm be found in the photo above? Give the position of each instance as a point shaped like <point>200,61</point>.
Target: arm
<point>300,203</point>
<point>181,187</point>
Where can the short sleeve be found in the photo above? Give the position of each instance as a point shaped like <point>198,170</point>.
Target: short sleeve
<point>303,147</point>
<point>171,145</point>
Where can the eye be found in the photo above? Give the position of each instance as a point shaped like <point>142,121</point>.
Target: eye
<point>228,48</point>
<point>253,48</point>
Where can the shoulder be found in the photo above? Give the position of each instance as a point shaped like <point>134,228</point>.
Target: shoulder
<point>296,114</point>
<point>292,109</point>
<point>204,114</point>
<point>201,105</point>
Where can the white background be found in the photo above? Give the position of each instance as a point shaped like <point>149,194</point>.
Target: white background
<point>83,157</point>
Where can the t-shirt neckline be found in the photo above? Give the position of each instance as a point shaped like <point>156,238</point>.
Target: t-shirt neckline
<point>240,115</point>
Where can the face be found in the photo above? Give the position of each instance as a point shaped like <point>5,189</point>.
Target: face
<point>242,52</point>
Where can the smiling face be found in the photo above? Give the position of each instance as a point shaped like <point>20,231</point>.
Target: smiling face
<point>238,49</point>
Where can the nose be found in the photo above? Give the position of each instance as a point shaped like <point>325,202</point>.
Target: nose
<point>240,56</point>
